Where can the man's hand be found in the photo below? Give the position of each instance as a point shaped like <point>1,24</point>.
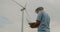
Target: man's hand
<point>31,25</point>
<point>34,25</point>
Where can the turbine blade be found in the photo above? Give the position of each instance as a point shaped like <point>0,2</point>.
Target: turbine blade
<point>18,3</point>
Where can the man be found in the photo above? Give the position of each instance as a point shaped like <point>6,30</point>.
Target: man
<point>42,21</point>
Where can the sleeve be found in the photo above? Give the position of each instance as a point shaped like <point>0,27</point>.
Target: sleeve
<point>39,17</point>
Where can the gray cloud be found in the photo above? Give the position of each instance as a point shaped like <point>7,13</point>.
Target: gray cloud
<point>12,11</point>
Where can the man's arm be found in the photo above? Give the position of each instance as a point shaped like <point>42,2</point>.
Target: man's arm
<point>38,21</point>
<point>36,24</point>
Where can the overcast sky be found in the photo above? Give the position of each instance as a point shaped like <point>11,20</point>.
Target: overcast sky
<point>10,14</point>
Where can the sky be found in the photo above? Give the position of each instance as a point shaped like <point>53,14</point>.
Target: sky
<point>11,14</point>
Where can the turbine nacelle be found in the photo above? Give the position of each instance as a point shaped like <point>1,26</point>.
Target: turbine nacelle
<point>23,9</point>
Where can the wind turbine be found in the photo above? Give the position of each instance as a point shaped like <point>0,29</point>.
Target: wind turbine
<point>24,8</point>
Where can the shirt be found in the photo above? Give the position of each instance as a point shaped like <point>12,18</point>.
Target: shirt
<point>45,22</point>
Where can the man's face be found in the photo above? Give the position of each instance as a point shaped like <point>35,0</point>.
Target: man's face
<point>38,9</point>
<point>37,12</point>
